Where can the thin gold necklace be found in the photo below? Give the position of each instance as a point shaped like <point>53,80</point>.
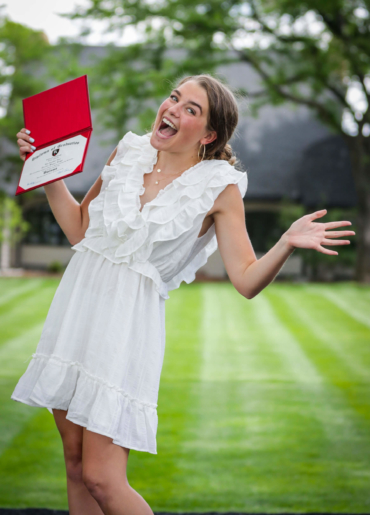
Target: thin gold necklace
<point>165,177</point>
<point>171,175</point>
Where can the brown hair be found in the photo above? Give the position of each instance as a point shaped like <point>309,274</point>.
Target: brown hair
<point>222,116</point>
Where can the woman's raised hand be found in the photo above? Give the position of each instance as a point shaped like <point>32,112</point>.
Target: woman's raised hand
<point>304,233</point>
<point>24,142</point>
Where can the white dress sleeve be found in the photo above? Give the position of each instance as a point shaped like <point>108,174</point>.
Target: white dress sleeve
<point>108,171</point>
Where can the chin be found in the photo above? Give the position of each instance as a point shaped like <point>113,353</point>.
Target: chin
<point>154,142</point>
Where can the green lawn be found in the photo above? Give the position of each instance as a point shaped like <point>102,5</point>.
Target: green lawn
<point>264,404</point>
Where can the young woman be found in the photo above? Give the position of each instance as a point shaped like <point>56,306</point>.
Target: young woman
<point>160,207</point>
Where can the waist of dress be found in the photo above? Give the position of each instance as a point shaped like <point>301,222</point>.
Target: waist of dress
<point>145,268</point>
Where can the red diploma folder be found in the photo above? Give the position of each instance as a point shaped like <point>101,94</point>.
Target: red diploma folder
<point>60,122</point>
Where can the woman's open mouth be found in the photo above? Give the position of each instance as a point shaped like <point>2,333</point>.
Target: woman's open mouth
<point>164,131</point>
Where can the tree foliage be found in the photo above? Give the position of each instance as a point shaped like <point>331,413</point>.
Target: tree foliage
<point>22,50</point>
<point>12,225</point>
<point>309,52</point>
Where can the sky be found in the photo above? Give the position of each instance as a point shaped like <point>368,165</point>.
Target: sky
<point>43,14</point>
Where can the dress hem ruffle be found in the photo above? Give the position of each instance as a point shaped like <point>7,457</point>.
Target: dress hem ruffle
<point>89,401</point>
<point>79,423</point>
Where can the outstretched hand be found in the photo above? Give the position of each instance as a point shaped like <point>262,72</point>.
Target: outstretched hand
<point>304,233</point>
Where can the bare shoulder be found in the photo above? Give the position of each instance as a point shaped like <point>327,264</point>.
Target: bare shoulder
<point>230,199</point>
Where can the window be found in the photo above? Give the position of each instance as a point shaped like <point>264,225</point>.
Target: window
<point>44,229</point>
<point>263,229</point>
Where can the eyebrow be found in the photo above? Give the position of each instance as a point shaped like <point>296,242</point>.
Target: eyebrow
<point>190,101</point>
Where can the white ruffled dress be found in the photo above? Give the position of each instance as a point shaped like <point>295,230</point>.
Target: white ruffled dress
<point>101,350</point>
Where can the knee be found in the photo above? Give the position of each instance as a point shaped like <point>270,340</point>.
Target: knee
<point>74,470</point>
<point>73,461</point>
<point>102,486</point>
<point>96,485</point>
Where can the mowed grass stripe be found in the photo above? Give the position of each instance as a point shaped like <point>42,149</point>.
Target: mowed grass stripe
<point>183,318</point>
<point>355,336</point>
<point>358,301</point>
<point>359,292</point>
<point>245,340</point>
<point>32,471</point>
<point>16,352</point>
<point>22,314</point>
<point>319,397</point>
<point>21,326</point>
<point>269,430</point>
<point>232,347</point>
<point>346,433</point>
<point>9,284</point>
<point>335,335</point>
<point>341,417</point>
<point>346,306</point>
<point>14,416</point>
<point>297,365</point>
<point>225,410</point>
<point>18,290</point>
<point>15,355</point>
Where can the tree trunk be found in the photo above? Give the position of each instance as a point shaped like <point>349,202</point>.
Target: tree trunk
<point>359,148</point>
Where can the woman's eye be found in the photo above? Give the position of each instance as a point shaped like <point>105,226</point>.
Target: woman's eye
<point>192,110</point>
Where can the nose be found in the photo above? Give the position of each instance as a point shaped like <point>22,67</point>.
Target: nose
<point>173,110</point>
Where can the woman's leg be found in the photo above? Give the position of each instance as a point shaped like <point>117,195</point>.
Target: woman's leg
<point>104,466</point>
<point>80,501</point>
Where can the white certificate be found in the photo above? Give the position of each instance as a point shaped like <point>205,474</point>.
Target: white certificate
<point>53,162</point>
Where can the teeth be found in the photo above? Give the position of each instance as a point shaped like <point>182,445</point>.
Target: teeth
<point>169,123</point>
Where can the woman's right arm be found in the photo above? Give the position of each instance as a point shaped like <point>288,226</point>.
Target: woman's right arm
<point>72,217</point>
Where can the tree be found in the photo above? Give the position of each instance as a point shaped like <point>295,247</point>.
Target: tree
<point>22,52</point>
<point>314,53</point>
<point>12,228</point>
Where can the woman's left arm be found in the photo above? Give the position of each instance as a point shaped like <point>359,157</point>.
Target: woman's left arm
<point>248,274</point>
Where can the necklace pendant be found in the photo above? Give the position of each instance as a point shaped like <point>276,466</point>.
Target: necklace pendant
<point>156,182</point>
<point>159,170</point>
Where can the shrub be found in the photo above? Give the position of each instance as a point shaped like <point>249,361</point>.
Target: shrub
<point>55,267</point>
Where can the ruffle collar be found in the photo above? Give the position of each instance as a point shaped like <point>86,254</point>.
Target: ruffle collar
<point>149,157</point>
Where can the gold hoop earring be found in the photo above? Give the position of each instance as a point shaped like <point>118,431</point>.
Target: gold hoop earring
<point>204,151</point>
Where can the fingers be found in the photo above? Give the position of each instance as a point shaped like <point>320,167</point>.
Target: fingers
<point>24,142</point>
<point>334,225</point>
<point>335,234</point>
<point>24,150</point>
<point>23,135</point>
<point>325,241</point>
<point>326,251</point>
<point>327,225</point>
<point>316,214</point>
